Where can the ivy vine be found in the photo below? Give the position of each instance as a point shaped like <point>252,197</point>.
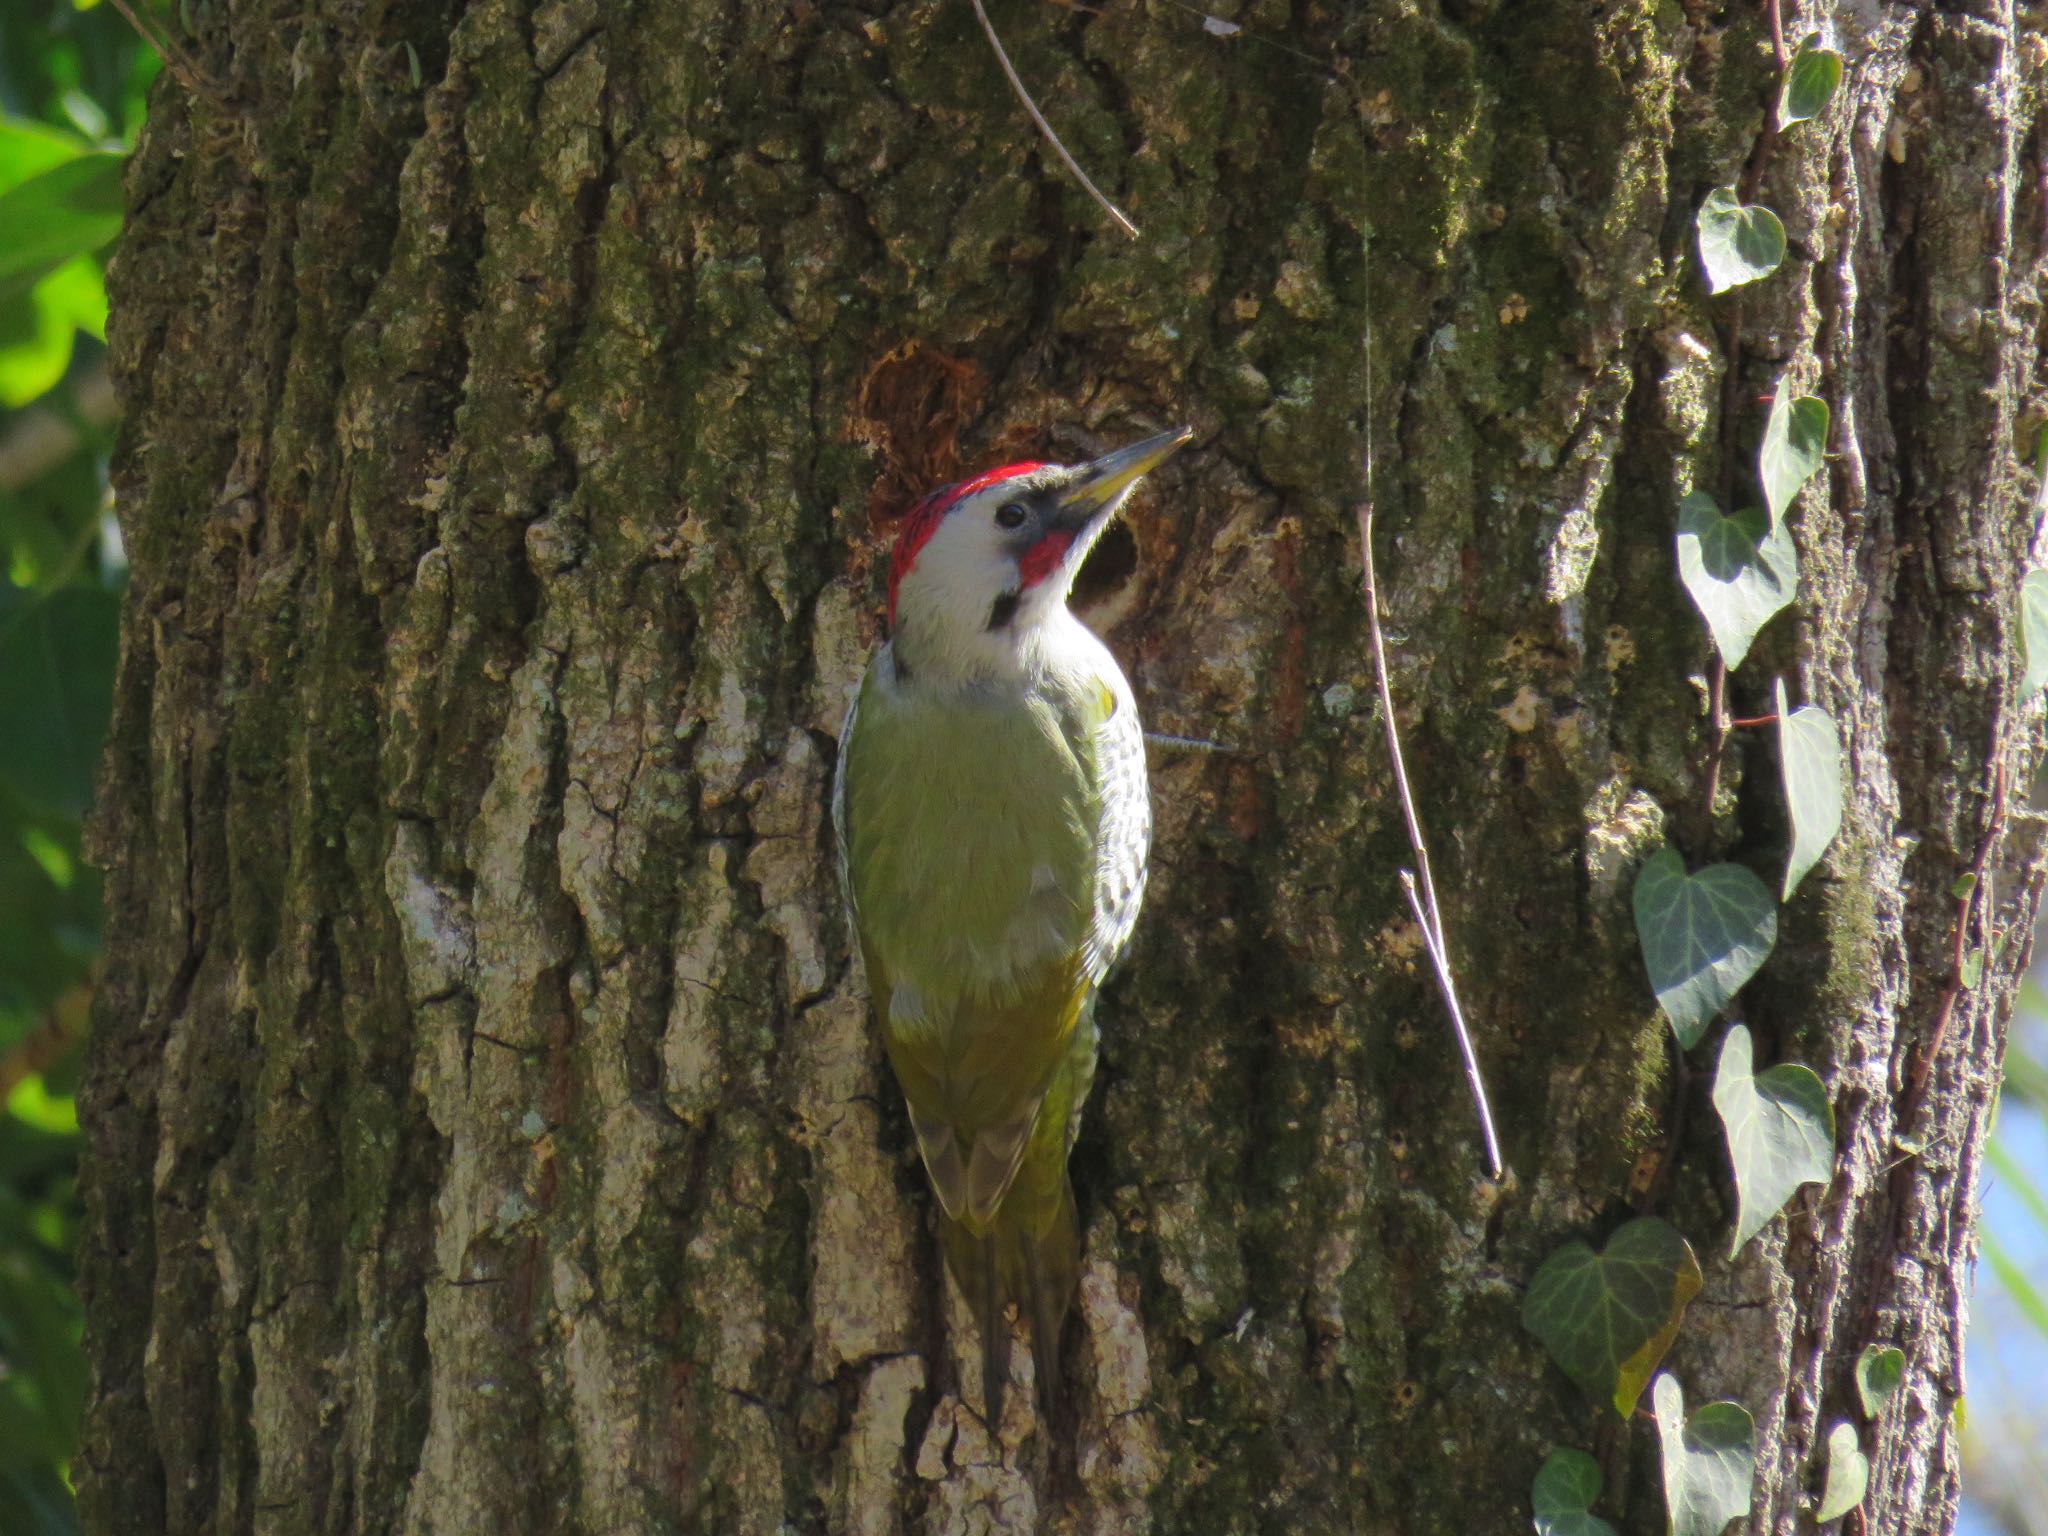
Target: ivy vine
<point>1609,1317</point>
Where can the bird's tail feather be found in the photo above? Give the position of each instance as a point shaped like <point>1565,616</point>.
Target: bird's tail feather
<point>1034,1264</point>
<point>993,1327</point>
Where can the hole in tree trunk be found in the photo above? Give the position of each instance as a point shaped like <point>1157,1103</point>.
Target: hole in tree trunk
<point>1108,569</point>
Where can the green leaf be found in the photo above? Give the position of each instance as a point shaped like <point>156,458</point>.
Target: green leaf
<point>1810,82</point>
<point>1965,884</point>
<point>1709,1461</point>
<point>1608,1317</point>
<point>41,1497</point>
<point>77,294</point>
<point>1781,1132</point>
<point>1738,243</point>
<point>1848,1474</point>
<point>86,114</point>
<point>1973,969</point>
<point>66,211</point>
<point>45,1384</point>
<point>1795,446</point>
<point>1740,570</point>
<point>35,347</point>
<point>1563,1496</point>
<point>1879,1370</point>
<point>56,689</point>
<point>50,526</point>
<point>30,148</point>
<point>47,933</point>
<point>35,1106</point>
<point>2034,630</point>
<point>37,328</point>
<point>1703,936</point>
<point>1810,763</point>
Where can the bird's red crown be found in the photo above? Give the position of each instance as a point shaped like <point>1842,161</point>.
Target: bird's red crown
<point>922,520</point>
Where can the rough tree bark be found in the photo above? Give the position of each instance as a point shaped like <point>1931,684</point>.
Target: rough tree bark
<point>485,1134</point>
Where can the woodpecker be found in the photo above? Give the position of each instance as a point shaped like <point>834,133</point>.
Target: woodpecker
<point>993,825</point>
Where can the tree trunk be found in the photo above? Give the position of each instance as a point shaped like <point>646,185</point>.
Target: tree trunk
<point>486,1133</point>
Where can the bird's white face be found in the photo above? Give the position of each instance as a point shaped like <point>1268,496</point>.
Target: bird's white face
<point>982,567</point>
<point>998,559</point>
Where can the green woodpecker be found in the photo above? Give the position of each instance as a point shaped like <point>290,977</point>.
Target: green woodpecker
<point>993,825</point>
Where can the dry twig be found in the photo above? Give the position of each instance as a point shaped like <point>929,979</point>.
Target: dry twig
<point>176,59</point>
<point>1017,85</point>
<point>1428,915</point>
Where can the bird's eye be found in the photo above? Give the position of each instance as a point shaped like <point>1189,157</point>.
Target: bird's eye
<point>1010,514</point>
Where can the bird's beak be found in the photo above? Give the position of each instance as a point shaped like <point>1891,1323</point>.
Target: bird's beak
<point>1086,505</point>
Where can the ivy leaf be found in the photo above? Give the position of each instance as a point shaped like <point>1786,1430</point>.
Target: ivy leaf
<point>1608,1317</point>
<point>1795,446</point>
<point>1848,1474</point>
<point>1781,1132</point>
<point>1738,243</point>
<point>1703,936</point>
<point>1810,762</point>
<point>1709,1461</point>
<point>1740,570</point>
<point>1810,82</point>
<point>1563,1496</point>
<point>2034,630</point>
